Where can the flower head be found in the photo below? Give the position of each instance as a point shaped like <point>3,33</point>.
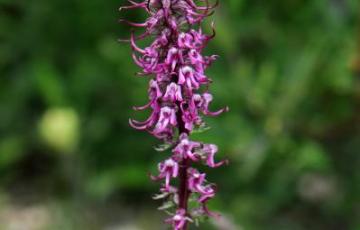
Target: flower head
<point>178,97</point>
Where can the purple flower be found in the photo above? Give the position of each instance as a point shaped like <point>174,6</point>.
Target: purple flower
<point>197,184</point>
<point>173,93</point>
<point>167,169</point>
<point>210,150</point>
<point>185,40</point>
<point>149,61</point>
<point>143,125</point>
<point>179,219</point>
<point>173,58</point>
<point>196,60</point>
<point>196,180</point>
<point>187,78</point>
<point>178,97</point>
<point>190,114</point>
<point>154,94</point>
<point>185,148</point>
<point>204,102</point>
<point>167,121</point>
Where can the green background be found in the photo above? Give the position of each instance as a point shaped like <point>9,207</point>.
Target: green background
<point>289,71</point>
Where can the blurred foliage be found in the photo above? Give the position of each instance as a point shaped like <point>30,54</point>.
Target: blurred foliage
<point>289,70</point>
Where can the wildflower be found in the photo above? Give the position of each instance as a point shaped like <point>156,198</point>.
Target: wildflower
<point>173,57</point>
<point>187,78</point>
<point>210,150</point>
<point>179,219</point>
<point>154,94</point>
<point>167,169</point>
<point>185,148</point>
<point>206,100</point>
<point>166,122</point>
<point>185,40</point>
<point>177,68</point>
<point>173,93</point>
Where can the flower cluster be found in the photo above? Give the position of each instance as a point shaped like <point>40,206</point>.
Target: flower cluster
<point>178,98</point>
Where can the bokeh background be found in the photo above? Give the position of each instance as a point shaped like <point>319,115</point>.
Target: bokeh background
<point>289,70</point>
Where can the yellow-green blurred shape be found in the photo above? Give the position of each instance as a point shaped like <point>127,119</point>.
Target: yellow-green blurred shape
<point>11,150</point>
<point>59,128</point>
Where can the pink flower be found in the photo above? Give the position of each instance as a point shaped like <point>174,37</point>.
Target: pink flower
<point>167,169</point>
<point>207,98</point>
<point>175,63</point>
<point>166,122</point>
<point>185,40</point>
<point>196,60</point>
<point>187,78</point>
<point>197,184</point>
<point>179,220</point>
<point>173,57</point>
<point>210,150</point>
<point>154,94</point>
<point>173,93</point>
<point>185,148</point>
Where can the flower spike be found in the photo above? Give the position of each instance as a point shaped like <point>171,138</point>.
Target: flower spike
<point>179,97</point>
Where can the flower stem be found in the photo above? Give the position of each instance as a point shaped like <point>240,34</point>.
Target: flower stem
<point>183,188</point>
<point>184,165</point>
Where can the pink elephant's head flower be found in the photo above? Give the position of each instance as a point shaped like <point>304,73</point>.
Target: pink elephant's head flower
<point>167,170</point>
<point>179,97</point>
<point>179,220</point>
